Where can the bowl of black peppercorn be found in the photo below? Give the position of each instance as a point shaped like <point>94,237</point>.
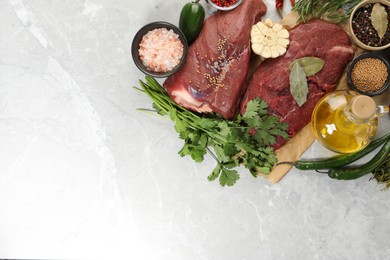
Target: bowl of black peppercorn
<point>363,32</point>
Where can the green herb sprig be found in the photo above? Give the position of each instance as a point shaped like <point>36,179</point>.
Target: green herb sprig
<point>382,173</point>
<point>336,11</point>
<point>246,140</point>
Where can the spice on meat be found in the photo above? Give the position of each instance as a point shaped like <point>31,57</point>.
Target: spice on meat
<point>369,74</point>
<point>220,66</point>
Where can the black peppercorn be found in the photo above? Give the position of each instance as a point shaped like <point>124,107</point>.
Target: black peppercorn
<point>364,30</point>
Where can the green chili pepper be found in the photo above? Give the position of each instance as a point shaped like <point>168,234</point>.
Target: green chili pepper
<point>359,171</point>
<point>191,20</point>
<point>339,160</point>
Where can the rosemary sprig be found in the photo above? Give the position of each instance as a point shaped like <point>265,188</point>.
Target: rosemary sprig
<point>335,11</point>
<point>382,173</point>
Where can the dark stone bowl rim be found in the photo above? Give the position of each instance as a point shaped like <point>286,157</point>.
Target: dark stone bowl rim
<point>137,39</point>
<point>374,55</point>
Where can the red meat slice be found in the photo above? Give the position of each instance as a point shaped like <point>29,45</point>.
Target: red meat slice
<point>214,76</point>
<point>270,81</point>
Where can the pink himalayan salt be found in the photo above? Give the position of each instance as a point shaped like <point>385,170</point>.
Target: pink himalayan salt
<point>161,50</point>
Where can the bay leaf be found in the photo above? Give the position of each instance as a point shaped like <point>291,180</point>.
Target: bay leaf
<point>379,19</point>
<point>310,65</point>
<point>298,84</point>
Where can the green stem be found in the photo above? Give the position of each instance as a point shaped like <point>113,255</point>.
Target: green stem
<point>213,155</point>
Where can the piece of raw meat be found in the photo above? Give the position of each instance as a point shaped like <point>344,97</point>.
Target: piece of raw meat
<point>270,81</point>
<point>214,76</point>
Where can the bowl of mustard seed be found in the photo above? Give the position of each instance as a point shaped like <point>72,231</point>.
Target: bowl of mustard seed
<point>369,24</point>
<point>369,74</point>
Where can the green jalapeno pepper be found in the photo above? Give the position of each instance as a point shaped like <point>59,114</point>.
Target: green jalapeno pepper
<point>191,20</point>
<point>339,160</point>
<point>359,171</point>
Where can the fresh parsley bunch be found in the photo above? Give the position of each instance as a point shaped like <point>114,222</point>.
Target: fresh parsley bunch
<point>247,140</point>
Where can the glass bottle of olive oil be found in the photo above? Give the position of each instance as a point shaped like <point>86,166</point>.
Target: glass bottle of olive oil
<point>344,121</point>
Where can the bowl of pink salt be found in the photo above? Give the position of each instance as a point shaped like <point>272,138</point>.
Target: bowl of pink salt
<point>159,49</point>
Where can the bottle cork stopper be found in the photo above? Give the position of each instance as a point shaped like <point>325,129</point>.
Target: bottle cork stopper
<point>363,107</point>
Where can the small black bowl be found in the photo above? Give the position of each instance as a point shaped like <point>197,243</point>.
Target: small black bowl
<point>375,55</point>
<point>137,39</point>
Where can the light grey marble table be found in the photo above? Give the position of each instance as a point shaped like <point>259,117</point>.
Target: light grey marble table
<point>84,175</point>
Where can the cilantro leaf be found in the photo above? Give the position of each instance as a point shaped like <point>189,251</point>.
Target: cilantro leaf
<point>230,149</point>
<point>195,146</point>
<point>224,129</point>
<point>228,177</point>
<point>205,123</point>
<point>255,107</point>
<point>280,132</point>
<point>215,173</point>
<point>243,141</point>
<point>264,137</point>
<point>180,125</point>
<point>251,109</point>
<point>221,155</point>
<point>264,170</point>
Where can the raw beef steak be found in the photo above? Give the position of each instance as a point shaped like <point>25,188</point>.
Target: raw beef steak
<point>214,76</point>
<point>270,81</point>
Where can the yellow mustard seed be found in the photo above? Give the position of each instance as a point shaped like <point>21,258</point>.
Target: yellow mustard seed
<point>369,74</point>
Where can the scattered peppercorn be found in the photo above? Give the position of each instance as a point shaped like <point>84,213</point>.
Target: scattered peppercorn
<point>369,74</point>
<point>224,3</point>
<point>365,31</point>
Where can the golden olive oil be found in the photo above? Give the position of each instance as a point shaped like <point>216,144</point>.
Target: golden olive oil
<point>338,127</point>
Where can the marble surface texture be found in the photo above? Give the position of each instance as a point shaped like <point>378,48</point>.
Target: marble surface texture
<point>83,175</point>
